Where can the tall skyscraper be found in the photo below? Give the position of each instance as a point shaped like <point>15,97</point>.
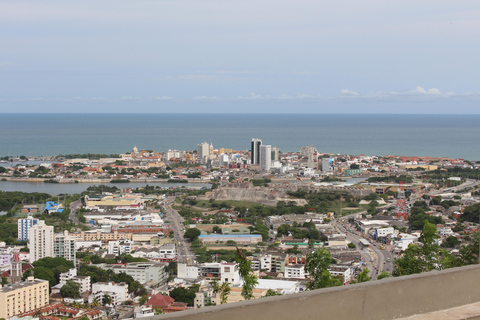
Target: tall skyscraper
<point>41,241</point>
<point>256,143</point>
<point>203,152</point>
<point>24,225</point>
<point>265,157</point>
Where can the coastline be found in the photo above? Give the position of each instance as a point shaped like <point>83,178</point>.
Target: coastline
<point>104,181</point>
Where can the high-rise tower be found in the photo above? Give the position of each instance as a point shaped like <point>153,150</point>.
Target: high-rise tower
<point>265,157</point>
<point>256,143</point>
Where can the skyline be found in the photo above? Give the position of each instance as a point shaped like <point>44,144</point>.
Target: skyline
<point>239,57</point>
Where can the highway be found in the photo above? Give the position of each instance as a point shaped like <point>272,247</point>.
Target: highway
<point>184,254</point>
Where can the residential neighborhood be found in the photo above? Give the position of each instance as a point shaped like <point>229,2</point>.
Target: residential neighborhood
<point>223,221</point>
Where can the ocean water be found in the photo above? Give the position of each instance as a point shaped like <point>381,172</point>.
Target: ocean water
<point>455,136</point>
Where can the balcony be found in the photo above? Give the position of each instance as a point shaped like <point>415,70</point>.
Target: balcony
<point>391,298</point>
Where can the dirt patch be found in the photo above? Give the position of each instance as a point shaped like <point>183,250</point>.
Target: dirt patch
<point>229,248</point>
<point>209,227</point>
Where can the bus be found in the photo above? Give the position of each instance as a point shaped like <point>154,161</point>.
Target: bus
<point>364,243</point>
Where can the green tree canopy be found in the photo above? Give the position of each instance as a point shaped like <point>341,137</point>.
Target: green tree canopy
<point>70,289</point>
<point>317,265</point>
<point>192,234</point>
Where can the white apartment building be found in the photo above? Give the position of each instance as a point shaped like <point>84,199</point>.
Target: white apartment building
<point>120,247</point>
<point>41,241</point>
<point>226,272</point>
<point>117,291</point>
<point>23,226</point>
<point>383,232</point>
<point>298,272</point>
<point>265,157</point>
<point>142,271</point>
<point>64,246</point>
<point>83,281</point>
<point>294,272</point>
<point>167,251</point>
<point>344,271</point>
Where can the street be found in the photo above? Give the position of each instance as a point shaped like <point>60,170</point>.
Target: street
<point>184,253</point>
<point>374,256</point>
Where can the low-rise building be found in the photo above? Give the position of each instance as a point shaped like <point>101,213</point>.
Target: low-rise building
<point>141,271</point>
<point>118,292</point>
<point>23,297</point>
<point>120,247</point>
<point>241,239</point>
<point>224,271</point>
<point>83,281</point>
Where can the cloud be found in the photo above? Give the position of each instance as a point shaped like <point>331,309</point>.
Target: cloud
<point>234,72</point>
<point>205,98</point>
<point>163,98</point>
<point>283,96</point>
<point>421,90</point>
<point>93,99</point>
<point>346,92</point>
<point>126,99</point>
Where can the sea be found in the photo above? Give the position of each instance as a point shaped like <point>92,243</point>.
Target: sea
<point>454,136</point>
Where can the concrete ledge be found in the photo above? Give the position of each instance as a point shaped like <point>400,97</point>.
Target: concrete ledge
<point>391,298</point>
<point>467,312</point>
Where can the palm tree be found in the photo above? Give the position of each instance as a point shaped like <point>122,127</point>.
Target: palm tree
<point>106,300</point>
<point>95,303</point>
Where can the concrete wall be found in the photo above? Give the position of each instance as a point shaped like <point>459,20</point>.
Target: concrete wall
<point>390,298</point>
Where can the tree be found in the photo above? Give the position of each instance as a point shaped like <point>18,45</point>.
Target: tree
<point>272,293</point>
<point>426,257</point>
<point>317,265</point>
<point>217,229</point>
<point>246,273</point>
<point>71,289</point>
<point>181,294</point>
<point>192,234</point>
<point>450,242</point>
<point>471,213</point>
<point>41,273</point>
<point>383,274</point>
<point>107,299</point>
<point>95,303</point>
<point>352,245</point>
<point>222,289</point>
<point>363,276</point>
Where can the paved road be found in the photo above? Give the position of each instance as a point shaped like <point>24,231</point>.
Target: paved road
<point>74,206</point>
<point>382,259</point>
<point>184,253</point>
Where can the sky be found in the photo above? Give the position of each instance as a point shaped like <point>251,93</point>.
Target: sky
<point>254,56</point>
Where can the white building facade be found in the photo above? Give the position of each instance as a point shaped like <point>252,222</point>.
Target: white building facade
<point>24,226</point>
<point>41,241</point>
<point>265,157</point>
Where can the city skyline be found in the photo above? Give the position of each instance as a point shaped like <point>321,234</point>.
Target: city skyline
<point>239,57</point>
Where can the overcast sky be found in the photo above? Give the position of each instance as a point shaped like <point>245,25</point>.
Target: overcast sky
<point>348,56</point>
